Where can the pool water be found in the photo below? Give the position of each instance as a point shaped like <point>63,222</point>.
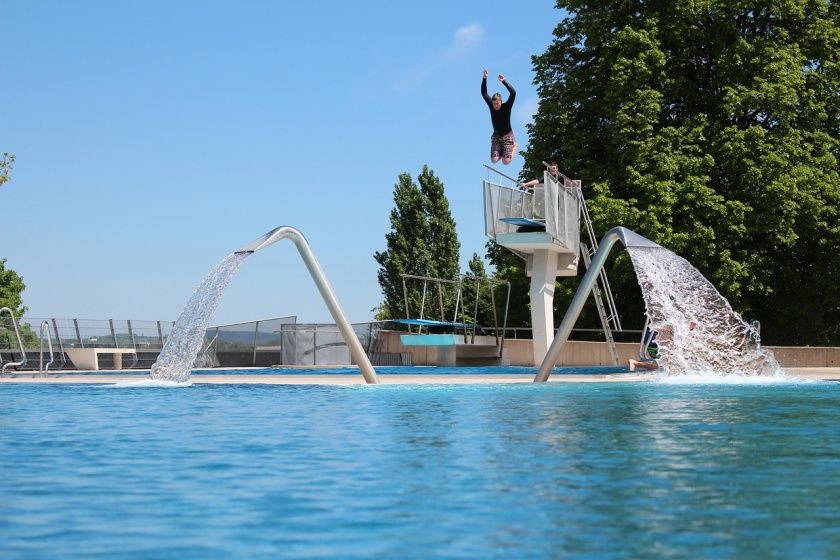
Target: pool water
<point>645,470</point>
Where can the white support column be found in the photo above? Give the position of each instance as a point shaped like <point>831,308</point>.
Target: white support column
<point>543,277</point>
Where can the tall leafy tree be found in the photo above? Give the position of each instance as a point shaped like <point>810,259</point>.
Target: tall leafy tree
<point>422,241</point>
<point>11,284</point>
<point>442,239</point>
<point>11,287</point>
<point>713,128</point>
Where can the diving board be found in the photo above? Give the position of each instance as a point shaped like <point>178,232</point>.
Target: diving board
<point>523,222</point>
<point>432,323</point>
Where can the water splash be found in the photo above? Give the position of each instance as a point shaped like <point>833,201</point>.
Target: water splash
<point>146,383</point>
<point>184,342</point>
<point>677,295</point>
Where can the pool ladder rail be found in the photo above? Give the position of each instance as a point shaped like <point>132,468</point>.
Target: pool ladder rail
<point>44,369</point>
<point>19,341</point>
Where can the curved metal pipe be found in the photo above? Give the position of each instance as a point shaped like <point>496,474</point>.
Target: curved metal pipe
<point>317,273</point>
<point>629,239</point>
<point>19,341</point>
<point>42,369</point>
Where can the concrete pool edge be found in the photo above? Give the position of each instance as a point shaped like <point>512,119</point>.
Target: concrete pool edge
<point>825,374</point>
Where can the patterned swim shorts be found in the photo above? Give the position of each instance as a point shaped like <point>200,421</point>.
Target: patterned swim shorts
<point>502,145</point>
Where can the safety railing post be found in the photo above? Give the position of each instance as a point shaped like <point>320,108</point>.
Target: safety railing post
<point>256,335</point>
<point>60,343</point>
<point>113,333</point>
<point>315,345</point>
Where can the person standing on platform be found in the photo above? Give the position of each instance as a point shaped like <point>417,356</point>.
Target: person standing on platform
<point>553,170</point>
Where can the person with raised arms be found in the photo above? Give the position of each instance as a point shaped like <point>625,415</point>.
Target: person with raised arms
<point>502,143</point>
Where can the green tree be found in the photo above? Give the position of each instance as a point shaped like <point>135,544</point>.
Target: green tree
<point>11,286</point>
<point>476,294</point>
<point>713,128</point>
<point>422,241</point>
<point>442,239</point>
<point>6,162</point>
<point>511,268</point>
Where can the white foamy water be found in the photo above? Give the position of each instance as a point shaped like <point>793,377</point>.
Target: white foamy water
<point>163,383</point>
<point>733,379</point>
<point>184,342</point>
<point>675,295</point>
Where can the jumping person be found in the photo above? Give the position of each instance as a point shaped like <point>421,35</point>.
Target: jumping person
<point>502,144</point>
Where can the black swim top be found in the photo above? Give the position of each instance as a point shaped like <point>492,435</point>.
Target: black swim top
<point>500,118</point>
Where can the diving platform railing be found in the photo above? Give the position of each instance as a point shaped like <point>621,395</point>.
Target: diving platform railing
<point>511,209</point>
<point>629,239</point>
<point>19,341</point>
<point>324,287</point>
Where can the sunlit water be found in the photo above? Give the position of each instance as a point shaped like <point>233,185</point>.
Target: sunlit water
<point>677,295</point>
<point>643,470</point>
<point>184,342</point>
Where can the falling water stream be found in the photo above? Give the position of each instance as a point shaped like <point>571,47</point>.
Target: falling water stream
<point>677,295</point>
<point>184,342</point>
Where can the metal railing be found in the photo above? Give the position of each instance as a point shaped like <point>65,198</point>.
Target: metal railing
<point>44,369</point>
<point>555,205</point>
<point>19,342</point>
<point>145,337</point>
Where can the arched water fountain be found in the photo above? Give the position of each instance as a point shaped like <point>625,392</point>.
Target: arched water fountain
<point>676,295</point>
<point>184,342</point>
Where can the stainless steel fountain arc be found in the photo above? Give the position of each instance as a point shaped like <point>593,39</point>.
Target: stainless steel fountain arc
<point>629,239</point>
<point>317,273</point>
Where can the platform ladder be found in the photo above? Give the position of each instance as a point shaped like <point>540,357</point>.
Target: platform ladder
<point>604,300</point>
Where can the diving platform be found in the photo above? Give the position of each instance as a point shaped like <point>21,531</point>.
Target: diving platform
<point>526,221</point>
<point>542,225</point>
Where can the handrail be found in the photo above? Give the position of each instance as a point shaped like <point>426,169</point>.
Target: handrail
<point>42,369</point>
<point>629,239</point>
<point>19,341</point>
<point>317,273</point>
<point>508,177</point>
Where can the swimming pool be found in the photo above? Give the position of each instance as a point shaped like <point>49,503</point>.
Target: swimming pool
<point>638,470</point>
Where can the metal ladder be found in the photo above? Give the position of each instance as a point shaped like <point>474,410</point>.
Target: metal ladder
<point>604,300</point>
<point>45,369</point>
<point>19,341</point>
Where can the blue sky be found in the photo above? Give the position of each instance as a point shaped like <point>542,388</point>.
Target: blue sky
<point>154,138</point>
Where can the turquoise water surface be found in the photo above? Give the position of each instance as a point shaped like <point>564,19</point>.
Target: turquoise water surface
<point>636,470</point>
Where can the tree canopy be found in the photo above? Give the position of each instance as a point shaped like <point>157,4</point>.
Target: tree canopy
<point>422,241</point>
<point>6,161</point>
<point>11,287</point>
<point>713,128</point>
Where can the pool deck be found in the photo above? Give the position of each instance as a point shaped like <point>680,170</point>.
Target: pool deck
<point>826,374</point>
